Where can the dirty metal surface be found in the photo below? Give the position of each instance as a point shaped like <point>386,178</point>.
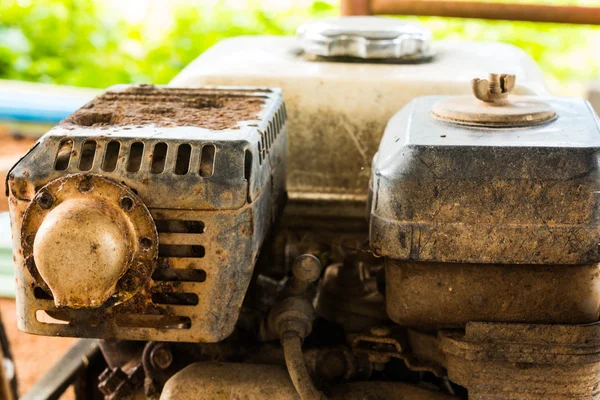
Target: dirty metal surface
<point>212,216</point>
<point>445,193</point>
<point>170,107</point>
<point>449,295</point>
<point>525,361</point>
<point>495,108</point>
<point>255,381</point>
<point>145,156</point>
<point>338,110</point>
<point>520,111</point>
<point>196,297</point>
<point>57,260</point>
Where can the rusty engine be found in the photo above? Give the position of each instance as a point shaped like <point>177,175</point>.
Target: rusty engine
<point>171,223</point>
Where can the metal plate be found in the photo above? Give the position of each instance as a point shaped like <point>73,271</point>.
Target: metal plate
<point>516,112</point>
<point>142,232</point>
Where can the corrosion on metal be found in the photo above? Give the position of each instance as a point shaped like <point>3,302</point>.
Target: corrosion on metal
<point>212,193</point>
<point>82,244</point>
<point>444,295</point>
<point>496,361</point>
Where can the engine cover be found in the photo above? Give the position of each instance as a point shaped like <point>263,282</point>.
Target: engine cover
<point>488,224</point>
<point>141,215</point>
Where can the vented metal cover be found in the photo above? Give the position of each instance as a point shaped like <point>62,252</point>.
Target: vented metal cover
<point>208,163</point>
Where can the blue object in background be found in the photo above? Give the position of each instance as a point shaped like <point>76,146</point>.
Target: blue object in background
<point>39,103</point>
<point>30,109</point>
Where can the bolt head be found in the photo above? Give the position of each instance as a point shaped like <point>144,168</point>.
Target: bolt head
<point>162,357</point>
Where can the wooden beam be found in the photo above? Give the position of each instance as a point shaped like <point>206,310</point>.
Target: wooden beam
<point>498,11</point>
<point>356,7</point>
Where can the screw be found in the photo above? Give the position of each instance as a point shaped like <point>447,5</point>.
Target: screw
<point>145,243</point>
<point>162,357</point>
<point>85,185</point>
<point>494,82</point>
<point>126,203</point>
<point>45,200</point>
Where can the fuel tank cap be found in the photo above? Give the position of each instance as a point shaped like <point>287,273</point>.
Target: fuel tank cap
<point>366,37</point>
<point>493,106</point>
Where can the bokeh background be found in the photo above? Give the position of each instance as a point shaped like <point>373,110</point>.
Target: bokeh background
<point>97,43</point>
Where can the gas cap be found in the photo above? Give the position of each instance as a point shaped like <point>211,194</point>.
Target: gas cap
<point>374,38</point>
<point>492,106</point>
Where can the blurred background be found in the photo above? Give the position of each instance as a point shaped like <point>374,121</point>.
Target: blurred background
<point>98,43</point>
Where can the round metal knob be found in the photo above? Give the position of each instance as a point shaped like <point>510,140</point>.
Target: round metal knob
<point>81,251</point>
<point>366,38</point>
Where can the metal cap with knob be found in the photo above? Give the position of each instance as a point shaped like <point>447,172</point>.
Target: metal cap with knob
<point>373,38</point>
<point>493,106</point>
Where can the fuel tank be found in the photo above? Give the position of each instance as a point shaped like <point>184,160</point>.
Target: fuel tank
<point>342,79</point>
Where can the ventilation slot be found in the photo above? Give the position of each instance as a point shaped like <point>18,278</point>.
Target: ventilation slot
<point>159,158</point>
<point>88,152</point>
<point>176,226</point>
<point>41,294</point>
<point>111,156</point>
<point>179,275</point>
<point>53,317</point>
<point>135,157</point>
<point>207,161</point>
<point>183,299</point>
<point>247,165</point>
<point>181,250</point>
<point>260,154</point>
<point>152,321</point>
<point>182,164</point>
<point>63,156</point>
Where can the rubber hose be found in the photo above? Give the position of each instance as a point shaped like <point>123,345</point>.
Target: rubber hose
<point>294,360</point>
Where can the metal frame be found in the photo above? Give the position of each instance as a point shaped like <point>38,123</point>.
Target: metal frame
<point>72,369</point>
<point>475,9</point>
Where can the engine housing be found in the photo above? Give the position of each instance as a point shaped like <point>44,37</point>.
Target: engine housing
<point>189,181</point>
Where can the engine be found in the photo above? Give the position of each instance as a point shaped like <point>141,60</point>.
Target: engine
<point>141,215</point>
<point>424,241</point>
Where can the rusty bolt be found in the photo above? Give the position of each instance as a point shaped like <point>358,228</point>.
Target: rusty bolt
<point>128,283</point>
<point>85,185</point>
<point>126,203</point>
<point>162,357</point>
<point>380,331</point>
<point>45,200</point>
<point>145,243</point>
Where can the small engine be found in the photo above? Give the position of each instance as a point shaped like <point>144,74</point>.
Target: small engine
<point>451,254</point>
<point>485,212</point>
<point>145,210</point>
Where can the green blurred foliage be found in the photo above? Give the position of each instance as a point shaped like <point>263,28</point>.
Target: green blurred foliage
<point>84,43</point>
